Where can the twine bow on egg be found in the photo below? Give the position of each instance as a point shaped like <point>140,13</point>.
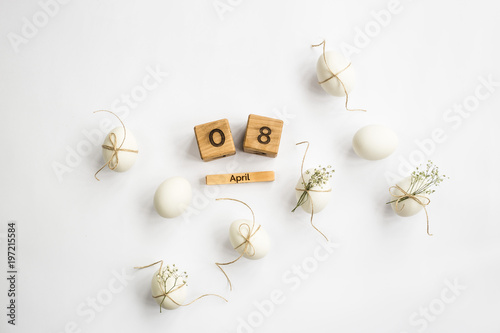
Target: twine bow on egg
<point>420,199</point>
<point>113,161</point>
<point>305,189</point>
<point>166,293</point>
<point>336,75</point>
<point>246,243</point>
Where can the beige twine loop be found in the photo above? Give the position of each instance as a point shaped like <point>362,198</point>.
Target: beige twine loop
<point>247,243</point>
<point>113,161</point>
<point>307,191</point>
<point>165,293</point>
<point>336,75</point>
<point>420,199</point>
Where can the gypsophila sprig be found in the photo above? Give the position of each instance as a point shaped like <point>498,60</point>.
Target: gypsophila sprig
<point>319,177</point>
<point>423,180</point>
<point>170,272</point>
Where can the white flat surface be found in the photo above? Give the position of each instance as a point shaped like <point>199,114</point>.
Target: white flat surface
<point>75,233</point>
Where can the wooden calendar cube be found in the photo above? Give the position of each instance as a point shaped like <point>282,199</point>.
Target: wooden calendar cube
<point>214,140</point>
<point>263,135</point>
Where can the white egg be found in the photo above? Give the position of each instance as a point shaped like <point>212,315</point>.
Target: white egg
<point>408,207</point>
<point>160,286</point>
<point>125,159</point>
<point>260,239</point>
<point>338,64</point>
<point>319,199</point>
<point>172,197</point>
<point>374,142</point>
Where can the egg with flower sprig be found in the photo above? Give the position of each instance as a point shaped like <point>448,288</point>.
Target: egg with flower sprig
<point>313,189</point>
<point>411,194</point>
<point>169,286</point>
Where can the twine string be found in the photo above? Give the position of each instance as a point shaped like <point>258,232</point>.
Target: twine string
<point>247,243</point>
<point>166,294</point>
<point>113,161</point>
<point>305,189</point>
<point>420,199</point>
<point>336,75</point>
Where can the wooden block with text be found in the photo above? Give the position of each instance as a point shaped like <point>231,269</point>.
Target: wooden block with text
<point>263,135</point>
<point>214,140</point>
<point>237,178</point>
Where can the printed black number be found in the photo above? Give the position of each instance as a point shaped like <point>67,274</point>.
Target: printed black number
<point>265,132</point>
<point>222,137</point>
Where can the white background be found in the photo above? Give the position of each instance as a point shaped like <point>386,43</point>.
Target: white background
<point>75,233</point>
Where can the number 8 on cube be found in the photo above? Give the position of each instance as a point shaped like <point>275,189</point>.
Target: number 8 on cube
<point>214,140</point>
<point>263,135</point>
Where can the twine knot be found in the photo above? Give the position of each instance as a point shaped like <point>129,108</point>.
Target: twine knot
<point>113,161</point>
<point>248,244</point>
<point>420,199</point>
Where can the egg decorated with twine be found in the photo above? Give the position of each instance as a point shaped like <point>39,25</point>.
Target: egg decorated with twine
<point>172,197</point>
<point>335,73</point>
<point>168,287</point>
<point>120,154</point>
<point>318,195</point>
<point>407,207</point>
<point>251,241</point>
<point>248,238</point>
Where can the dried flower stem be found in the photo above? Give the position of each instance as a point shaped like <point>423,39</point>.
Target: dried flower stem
<point>422,181</point>
<point>320,176</point>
